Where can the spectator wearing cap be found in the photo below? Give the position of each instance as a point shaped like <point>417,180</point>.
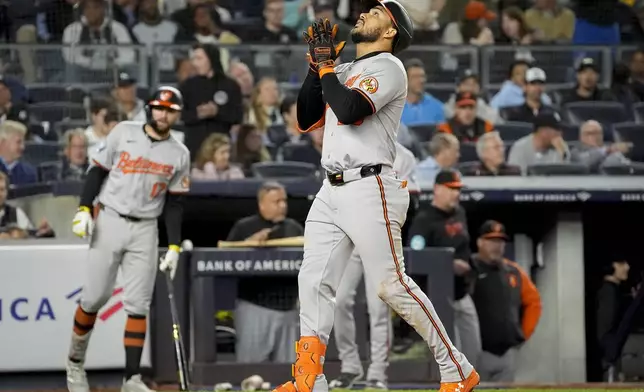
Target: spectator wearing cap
<point>468,82</point>
<point>587,88</point>
<point>421,107</point>
<point>10,110</point>
<point>444,151</point>
<point>272,31</point>
<point>491,152</point>
<point>12,146</point>
<point>444,224</point>
<point>592,152</point>
<point>473,28</point>
<point>465,124</point>
<point>74,163</point>
<point>507,302</point>
<point>153,29</point>
<point>553,21</point>
<point>534,89</point>
<point>544,146</point>
<point>126,99</point>
<point>512,91</point>
<point>325,9</point>
<point>94,28</point>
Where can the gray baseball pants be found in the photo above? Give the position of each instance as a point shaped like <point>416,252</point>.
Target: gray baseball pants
<point>345,326</point>
<point>133,246</point>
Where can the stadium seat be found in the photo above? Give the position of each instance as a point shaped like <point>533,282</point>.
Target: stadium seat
<point>635,168</point>
<point>58,111</point>
<point>63,126</point>
<point>422,133</point>
<point>76,94</point>
<point>558,169</point>
<point>604,112</point>
<point>277,134</point>
<point>441,93</point>
<point>283,169</point>
<point>570,132</point>
<point>512,130</point>
<point>638,112</point>
<point>633,133</point>
<point>289,148</point>
<point>274,150</point>
<point>468,152</point>
<point>37,153</point>
<point>49,171</point>
<point>40,94</point>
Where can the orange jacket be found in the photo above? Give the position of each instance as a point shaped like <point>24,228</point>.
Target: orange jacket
<point>508,305</point>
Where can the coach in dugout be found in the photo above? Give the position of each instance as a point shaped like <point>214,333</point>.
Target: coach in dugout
<point>507,302</point>
<point>266,317</point>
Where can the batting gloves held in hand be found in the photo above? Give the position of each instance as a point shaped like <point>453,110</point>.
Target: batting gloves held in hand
<point>83,224</point>
<point>323,50</point>
<point>170,261</point>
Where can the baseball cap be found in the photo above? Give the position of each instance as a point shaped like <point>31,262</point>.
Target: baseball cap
<point>465,99</point>
<point>125,80</point>
<point>449,178</point>
<point>549,119</point>
<point>323,5</point>
<point>535,75</point>
<point>466,74</point>
<point>475,10</point>
<point>587,62</point>
<point>493,229</point>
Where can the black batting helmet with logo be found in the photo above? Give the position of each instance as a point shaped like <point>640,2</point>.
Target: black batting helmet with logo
<point>167,97</point>
<point>400,19</point>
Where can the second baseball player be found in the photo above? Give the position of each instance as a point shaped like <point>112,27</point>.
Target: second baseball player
<point>138,173</point>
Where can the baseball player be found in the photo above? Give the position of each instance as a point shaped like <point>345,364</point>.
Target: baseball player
<point>380,328</point>
<point>139,172</point>
<point>362,205</point>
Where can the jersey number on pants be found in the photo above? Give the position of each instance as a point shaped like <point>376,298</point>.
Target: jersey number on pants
<point>157,189</point>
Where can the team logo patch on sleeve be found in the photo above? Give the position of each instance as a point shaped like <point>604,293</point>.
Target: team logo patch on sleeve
<point>369,85</point>
<point>185,182</point>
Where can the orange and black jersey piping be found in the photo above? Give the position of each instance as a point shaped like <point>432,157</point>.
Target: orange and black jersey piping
<point>349,105</point>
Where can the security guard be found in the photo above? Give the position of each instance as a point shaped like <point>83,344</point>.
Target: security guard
<point>507,302</point>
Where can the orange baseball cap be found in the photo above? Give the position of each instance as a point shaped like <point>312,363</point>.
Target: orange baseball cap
<point>475,10</point>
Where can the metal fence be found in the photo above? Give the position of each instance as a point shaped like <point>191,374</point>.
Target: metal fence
<point>91,65</point>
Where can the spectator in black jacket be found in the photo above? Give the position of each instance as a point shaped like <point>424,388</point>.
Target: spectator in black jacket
<point>444,224</point>
<point>535,79</point>
<point>9,108</point>
<point>507,302</point>
<point>587,88</point>
<point>272,31</point>
<point>212,100</point>
<point>611,305</point>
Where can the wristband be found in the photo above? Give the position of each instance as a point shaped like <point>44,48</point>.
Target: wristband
<point>84,208</point>
<point>326,70</point>
<point>175,248</point>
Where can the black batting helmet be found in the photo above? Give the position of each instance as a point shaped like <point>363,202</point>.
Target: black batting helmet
<point>166,97</point>
<point>400,19</point>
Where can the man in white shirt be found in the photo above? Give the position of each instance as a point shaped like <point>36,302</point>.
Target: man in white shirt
<point>153,29</point>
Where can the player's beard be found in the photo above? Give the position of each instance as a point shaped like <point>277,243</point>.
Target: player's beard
<point>161,130</point>
<point>358,36</point>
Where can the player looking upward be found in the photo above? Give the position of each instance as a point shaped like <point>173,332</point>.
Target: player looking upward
<point>362,205</point>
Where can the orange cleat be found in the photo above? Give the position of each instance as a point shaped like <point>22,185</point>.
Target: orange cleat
<point>463,386</point>
<point>286,387</point>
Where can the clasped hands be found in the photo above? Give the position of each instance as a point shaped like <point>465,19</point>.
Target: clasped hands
<point>324,50</point>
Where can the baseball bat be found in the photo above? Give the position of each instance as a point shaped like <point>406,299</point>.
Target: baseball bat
<point>179,350</point>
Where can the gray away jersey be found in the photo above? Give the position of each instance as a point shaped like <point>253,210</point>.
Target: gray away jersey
<point>141,171</point>
<point>382,79</point>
